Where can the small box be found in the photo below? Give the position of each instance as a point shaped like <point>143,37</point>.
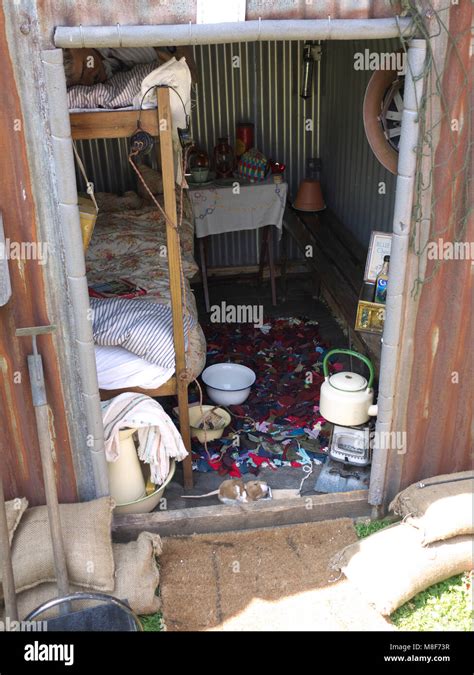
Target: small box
<point>88,216</point>
<point>370,316</point>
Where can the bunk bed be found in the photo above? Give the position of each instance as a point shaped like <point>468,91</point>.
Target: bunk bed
<point>86,125</point>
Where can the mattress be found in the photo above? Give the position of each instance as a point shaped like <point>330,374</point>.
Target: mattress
<point>132,245</point>
<point>136,89</point>
<point>129,241</point>
<point>117,92</point>
<point>117,368</point>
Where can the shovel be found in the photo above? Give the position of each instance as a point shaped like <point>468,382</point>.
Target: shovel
<point>40,403</point>
<point>115,615</point>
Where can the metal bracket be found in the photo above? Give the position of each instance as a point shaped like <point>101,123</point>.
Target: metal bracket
<point>35,363</point>
<point>5,283</point>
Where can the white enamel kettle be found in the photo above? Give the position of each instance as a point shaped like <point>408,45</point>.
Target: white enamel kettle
<point>347,398</point>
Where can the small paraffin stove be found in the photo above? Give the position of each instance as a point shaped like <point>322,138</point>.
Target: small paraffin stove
<point>352,445</point>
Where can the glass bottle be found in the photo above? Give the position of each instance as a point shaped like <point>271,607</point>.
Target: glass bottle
<point>224,158</point>
<point>381,282</point>
<point>197,158</point>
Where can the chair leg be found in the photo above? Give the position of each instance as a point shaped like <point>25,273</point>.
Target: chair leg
<point>185,431</point>
<point>263,253</point>
<point>271,263</point>
<point>202,253</point>
<point>283,264</point>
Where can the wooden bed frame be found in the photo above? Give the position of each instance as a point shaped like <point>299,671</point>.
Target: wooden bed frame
<point>122,124</point>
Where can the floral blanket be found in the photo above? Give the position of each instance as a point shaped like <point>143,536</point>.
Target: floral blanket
<point>129,241</point>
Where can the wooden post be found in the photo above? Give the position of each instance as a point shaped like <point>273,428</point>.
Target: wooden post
<point>174,253</point>
<point>202,250</point>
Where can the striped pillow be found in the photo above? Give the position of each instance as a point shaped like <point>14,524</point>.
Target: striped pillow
<point>118,92</point>
<point>141,326</point>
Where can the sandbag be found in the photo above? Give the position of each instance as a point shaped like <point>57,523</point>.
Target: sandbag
<point>439,511</point>
<point>136,572</point>
<point>136,580</point>
<point>15,508</point>
<point>391,566</point>
<point>87,538</point>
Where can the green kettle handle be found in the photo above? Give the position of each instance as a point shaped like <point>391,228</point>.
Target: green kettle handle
<point>351,352</point>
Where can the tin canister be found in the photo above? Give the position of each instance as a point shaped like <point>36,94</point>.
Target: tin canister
<point>244,138</point>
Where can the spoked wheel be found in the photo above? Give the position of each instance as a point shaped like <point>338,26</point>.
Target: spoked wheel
<point>383,108</point>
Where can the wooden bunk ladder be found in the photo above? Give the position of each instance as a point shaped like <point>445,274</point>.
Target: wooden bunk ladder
<point>174,254</point>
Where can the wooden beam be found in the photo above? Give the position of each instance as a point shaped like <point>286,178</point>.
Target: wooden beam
<point>174,257</point>
<point>169,388</point>
<point>223,518</point>
<point>293,267</point>
<point>115,124</point>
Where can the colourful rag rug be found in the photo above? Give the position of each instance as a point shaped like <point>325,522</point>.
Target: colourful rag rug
<point>279,424</point>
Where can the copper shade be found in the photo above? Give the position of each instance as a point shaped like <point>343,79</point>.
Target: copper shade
<point>310,196</point>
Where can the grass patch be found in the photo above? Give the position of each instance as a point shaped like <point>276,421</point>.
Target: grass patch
<point>444,606</point>
<point>365,529</point>
<point>152,623</point>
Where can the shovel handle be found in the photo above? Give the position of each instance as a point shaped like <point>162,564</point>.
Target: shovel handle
<point>350,352</point>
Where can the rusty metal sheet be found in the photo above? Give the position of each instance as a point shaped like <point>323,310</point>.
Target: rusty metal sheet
<point>52,13</point>
<point>440,399</point>
<point>125,12</point>
<point>19,451</point>
<point>315,9</point>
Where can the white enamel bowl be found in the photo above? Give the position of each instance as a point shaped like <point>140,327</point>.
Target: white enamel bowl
<point>228,383</point>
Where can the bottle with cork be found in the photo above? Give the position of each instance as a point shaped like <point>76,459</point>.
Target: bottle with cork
<point>381,282</point>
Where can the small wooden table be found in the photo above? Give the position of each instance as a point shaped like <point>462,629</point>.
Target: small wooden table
<point>232,205</point>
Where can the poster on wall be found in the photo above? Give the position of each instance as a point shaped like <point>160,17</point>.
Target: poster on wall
<point>380,246</point>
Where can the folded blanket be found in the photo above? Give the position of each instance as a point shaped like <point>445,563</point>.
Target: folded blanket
<point>143,327</point>
<point>158,438</point>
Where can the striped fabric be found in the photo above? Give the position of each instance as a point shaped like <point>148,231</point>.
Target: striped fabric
<point>118,92</point>
<point>124,58</point>
<point>143,327</point>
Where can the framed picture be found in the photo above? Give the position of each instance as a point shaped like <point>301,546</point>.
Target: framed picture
<point>380,246</point>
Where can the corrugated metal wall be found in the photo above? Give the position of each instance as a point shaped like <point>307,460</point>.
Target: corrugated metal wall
<point>261,83</point>
<point>351,173</point>
<point>256,83</point>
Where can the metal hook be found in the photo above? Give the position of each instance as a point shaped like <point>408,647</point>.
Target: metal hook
<point>82,36</point>
<point>119,34</point>
<point>329,26</point>
<point>259,27</point>
<point>190,24</point>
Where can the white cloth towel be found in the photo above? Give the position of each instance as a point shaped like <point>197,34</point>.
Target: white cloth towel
<point>158,438</point>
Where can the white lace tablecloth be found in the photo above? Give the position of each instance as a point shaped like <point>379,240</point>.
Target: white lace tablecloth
<point>219,209</point>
